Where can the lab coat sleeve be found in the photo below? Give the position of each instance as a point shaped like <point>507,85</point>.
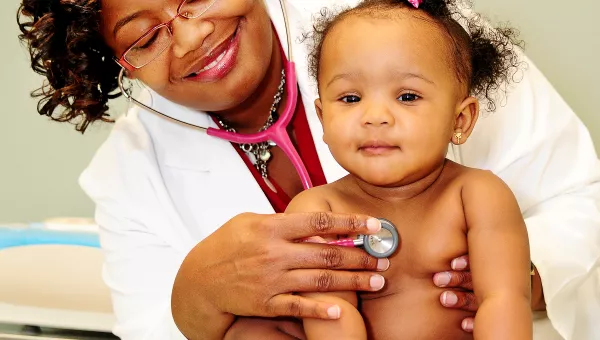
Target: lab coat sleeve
<point>140,262</point>
<point>540,148</point>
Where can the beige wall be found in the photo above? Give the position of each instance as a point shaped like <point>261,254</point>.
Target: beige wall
<point>563,39</point>
<point>40,160</point>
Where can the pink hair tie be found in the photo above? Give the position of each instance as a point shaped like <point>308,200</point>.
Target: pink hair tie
<point>415,3</point>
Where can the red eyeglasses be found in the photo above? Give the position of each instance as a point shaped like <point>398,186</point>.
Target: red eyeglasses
<point>157,39</point>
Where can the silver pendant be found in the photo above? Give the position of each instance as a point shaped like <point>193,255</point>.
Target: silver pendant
<point>259,153</point>
<point>270,185</point>
<point>265,155</point>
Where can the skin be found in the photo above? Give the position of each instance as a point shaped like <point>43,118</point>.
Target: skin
<point>390,129</point>
<point>243,97</point>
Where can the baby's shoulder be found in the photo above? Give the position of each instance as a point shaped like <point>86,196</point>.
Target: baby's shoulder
<point>477,182</point>
<point>464,175</point>
<point>312,200</point>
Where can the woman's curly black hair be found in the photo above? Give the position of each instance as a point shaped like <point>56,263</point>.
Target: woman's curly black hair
<point>485,57</point>
<point>65,46</point>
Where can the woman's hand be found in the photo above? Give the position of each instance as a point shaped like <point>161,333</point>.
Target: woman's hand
<point>253,264</point>
<point>463,297</point>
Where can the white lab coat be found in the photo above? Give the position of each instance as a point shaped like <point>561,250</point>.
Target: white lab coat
<point>160,187</point>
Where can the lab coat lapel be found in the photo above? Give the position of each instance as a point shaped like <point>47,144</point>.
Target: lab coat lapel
<point>207,171</point>
<point>232,188</point>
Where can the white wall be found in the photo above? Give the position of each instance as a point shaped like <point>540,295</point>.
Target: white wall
<point>41,160</point>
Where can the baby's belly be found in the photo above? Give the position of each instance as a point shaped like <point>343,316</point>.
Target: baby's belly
<point>412,313</point>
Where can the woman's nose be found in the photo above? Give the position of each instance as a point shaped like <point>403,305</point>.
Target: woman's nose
<point>377,115</point>
<point>190,34</point>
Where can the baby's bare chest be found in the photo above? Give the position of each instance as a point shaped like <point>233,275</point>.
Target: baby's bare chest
<point>432,232</point>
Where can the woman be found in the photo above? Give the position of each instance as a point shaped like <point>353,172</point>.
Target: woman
<point>183,257</point>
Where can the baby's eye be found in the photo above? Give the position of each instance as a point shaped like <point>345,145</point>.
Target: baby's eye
<point>350,99</point>
<point>408,97</point>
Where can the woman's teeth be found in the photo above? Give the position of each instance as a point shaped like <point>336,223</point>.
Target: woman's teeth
<point>214,63</point>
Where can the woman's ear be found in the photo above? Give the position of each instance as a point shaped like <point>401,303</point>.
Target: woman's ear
<point>465,119</point>
<point>129,75</point>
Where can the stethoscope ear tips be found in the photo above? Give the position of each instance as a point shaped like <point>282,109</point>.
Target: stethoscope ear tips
<point>385,242</point>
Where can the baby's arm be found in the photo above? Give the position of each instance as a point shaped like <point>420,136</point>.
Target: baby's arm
<point>350,325</point>
<point>499,256</point>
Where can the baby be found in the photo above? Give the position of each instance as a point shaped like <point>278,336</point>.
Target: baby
<point>398,82</point>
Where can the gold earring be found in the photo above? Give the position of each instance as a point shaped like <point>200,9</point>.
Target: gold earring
<point>458,136</point>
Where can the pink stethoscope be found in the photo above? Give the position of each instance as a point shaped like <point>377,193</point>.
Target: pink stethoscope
<point>277,133</point>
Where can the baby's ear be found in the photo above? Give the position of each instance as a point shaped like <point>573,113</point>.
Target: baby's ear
<point>319,109</point>
<point>466,117</point>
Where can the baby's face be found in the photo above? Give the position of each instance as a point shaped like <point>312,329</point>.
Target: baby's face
<point>389,97</point>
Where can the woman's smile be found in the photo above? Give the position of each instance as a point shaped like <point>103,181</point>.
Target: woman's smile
<point>219,62</point>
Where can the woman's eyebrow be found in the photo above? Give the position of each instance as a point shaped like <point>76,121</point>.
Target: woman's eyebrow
<point>121,23</point>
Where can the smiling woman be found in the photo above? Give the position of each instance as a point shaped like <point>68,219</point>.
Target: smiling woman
<point>191,230</point>
<point>139,35</point>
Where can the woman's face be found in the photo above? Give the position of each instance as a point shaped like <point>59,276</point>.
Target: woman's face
<point>237,33</point>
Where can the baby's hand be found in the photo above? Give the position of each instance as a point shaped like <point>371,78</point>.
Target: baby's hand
<point>315,239</point>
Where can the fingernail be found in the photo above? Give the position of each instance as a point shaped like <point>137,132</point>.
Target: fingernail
<point>373,224</point>
<point>458,264</point>
<point>377,282</point>
<point>467,325</point>
<point>334,312</point>
<point>383,265</point>
<point>449,299</point>
<point>442,279</point>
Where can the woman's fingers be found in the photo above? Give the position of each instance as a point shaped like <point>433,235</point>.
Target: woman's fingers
<point>459,300</point>
<point>468,324</point>
<point>301,307</point>
<point>315,280</point>
<point>253,264</point>
<point>302,225</point>
<point>454,280</point>
<point>321,256</point>
<point>461,263</point>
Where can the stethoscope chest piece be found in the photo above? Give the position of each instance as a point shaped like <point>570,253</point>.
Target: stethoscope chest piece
<point>382,244</point>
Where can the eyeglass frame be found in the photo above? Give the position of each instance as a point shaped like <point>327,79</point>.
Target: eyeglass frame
<point>122,61</point>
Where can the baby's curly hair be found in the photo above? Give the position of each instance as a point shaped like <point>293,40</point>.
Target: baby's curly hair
<point>485,57</point>
<point>65,46</point>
